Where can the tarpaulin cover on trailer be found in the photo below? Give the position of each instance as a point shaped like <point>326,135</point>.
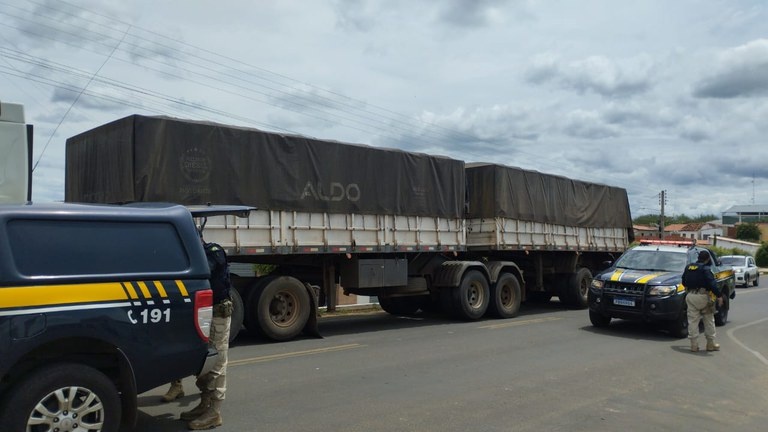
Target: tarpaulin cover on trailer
<point>502,191</point>
<point>147,158</point>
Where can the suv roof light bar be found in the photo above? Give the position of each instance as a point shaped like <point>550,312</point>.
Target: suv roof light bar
<point>688,243</point>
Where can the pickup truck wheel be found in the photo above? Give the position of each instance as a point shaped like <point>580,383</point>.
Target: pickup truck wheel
<point>471,298</point>
<point>679,327</point>
<point>238,313</point>
<point>721,316</point>
<point>282,306</point>
<point>599,320</point>
<point>746,280</point>
<point>505,296</point>
<point>63,397</point>
<point>757,280</point>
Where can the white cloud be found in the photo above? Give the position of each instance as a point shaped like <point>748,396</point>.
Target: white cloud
<point>738,72</point>
<point>597,74</point>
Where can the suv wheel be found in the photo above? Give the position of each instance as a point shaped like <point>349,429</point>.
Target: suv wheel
<point>721,316</point>
<point>598,319</point>
<point>679,327</point>
<point>64,396</point>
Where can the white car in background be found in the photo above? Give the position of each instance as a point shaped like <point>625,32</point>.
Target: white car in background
<point>744,268</point>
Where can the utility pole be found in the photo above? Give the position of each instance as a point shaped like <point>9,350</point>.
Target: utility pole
<point>662,201</point>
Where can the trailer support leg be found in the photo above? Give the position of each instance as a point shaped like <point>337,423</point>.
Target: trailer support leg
<point>329,286</point>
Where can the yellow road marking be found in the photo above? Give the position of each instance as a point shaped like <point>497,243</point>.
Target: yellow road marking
<point>272,357</point>
<point>519,323</point>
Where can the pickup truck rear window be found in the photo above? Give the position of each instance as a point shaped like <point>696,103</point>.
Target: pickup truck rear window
<point>43,248</point>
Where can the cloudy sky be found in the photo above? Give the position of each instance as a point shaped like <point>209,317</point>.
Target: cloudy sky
<point>645,95</point>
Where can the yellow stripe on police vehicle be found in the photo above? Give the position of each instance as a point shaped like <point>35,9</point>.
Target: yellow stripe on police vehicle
<point>23,300</point>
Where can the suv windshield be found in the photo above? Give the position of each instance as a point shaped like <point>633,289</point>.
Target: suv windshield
<point>653,260</point>
<point>734,261</point>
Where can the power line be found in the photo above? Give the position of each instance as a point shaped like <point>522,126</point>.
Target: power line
<point>77,99</point>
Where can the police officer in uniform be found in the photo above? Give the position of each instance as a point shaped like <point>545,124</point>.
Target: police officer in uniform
<point>701,293</point>
<point>213,385</point>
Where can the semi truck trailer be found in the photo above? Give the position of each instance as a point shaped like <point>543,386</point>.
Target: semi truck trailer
<point>16,151</point>
<point>419,232</point>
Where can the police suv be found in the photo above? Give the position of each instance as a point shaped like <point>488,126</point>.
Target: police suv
<point>97,305</point>
<point>645,284</point>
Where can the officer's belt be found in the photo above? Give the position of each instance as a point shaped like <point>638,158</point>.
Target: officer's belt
<point>698,290</point>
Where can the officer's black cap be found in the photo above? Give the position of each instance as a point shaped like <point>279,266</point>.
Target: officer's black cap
<point>703,256</point>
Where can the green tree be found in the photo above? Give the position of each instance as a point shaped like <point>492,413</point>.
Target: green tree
<point>653,219</point>
<point>748,232</point>
<point>761,256</point>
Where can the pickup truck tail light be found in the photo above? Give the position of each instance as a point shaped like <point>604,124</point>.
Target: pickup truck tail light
<point>204,313</point>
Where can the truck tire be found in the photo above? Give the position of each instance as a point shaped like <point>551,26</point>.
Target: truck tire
<point>472,296</point>
<point>721,315</point>
<point>280,307</point>
<point>757,279</point>
<point>36,404</point>
<point>407,305</point>
<point>238,313</point>
<point>574,293</point>
<point>599,320</point>
<point>505,296</point>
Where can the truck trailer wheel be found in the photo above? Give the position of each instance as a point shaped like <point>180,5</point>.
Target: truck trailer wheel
<point>280,307</point>
<point>505,296</point>
<point>471,298</point>
<point>63,397</point>
<point>576,288</point>
<point>407,305</point>
<point>238,313</point>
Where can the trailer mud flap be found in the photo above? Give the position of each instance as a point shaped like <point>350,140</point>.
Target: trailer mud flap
<point>311,328</point>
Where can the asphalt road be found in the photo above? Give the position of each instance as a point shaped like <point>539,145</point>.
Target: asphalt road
<point>545,370</point>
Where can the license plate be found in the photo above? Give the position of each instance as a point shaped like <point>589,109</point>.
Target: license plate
<point>624,301</point>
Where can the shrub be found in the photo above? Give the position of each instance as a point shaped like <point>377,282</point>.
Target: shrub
<point>748,232</point>
<point>721,251</point>
<point>761,257</point>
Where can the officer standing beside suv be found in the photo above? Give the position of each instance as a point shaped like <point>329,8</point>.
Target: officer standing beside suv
<point>701,291</point>
<point>213,385</point>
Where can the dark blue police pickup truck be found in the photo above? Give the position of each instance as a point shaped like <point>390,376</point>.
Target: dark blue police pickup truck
<point>97,305</point>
